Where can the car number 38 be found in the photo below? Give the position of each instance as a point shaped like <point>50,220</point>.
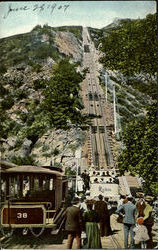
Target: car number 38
<point>21,215</point>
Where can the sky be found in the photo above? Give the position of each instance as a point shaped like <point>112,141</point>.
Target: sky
<point>22,16</point>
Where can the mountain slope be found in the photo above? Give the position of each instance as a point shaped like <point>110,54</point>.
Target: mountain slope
<point>39,44</point>
<point>29,63</point>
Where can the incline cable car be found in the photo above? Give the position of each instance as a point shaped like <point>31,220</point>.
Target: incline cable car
<point>32,197</point>
<point>86,48</point>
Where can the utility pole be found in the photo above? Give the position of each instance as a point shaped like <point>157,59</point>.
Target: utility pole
<point>106,86</point>
<point>114,103</point>
<point>78,157</point>
<point>76,188</point>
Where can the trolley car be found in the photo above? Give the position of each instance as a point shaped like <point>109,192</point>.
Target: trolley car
<point>32,198</point>
<point>86,48</point>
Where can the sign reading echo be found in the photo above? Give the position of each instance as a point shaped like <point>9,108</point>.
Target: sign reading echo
<point>104,189</point>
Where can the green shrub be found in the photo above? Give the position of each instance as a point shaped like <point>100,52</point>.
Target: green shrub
<point>23,117</point>
<point>20,94</point>
<point>38,144</point>
<point>36,67</point>
<point>3,68</point>
<point>18,144</point>
<point>3,90</point>
<point>69,171</point>
<point>47,155</point>
<point>7,102</point>
<point>45,148</point>
<point>18,160</point>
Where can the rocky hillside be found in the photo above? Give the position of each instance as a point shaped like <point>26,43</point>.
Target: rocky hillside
<point>26,71</point>
<point>40,45</point>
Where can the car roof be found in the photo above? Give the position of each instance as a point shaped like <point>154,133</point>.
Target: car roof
<point>33,169</point>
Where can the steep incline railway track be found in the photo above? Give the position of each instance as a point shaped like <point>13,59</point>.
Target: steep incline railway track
<point>94,105</point>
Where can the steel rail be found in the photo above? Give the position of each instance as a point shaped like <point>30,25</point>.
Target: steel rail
<point>99,144</point>
<point>104,139</point>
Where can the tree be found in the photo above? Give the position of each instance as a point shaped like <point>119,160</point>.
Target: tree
<point>62,101</point>
<point>131,47</point>
<point>140,153</point>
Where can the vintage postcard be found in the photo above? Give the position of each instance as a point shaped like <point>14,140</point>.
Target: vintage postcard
<point>78,133</point>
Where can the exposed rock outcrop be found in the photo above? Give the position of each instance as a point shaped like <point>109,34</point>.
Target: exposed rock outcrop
<point>69,45</point>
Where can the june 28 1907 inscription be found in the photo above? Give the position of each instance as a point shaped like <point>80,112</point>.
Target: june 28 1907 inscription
<point>37,7</point>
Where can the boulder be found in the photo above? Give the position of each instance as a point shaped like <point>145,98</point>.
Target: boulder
<point>26,148</point>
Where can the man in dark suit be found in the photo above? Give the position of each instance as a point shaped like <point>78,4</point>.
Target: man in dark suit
<point>73,224</point>
<point>101,208</point>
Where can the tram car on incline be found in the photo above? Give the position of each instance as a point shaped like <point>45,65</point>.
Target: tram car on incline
<point>32,198</point>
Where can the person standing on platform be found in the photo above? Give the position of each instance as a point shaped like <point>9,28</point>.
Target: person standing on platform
<point>120,202</point>
<point>129,210</point>
<point>140,205</point>
<point>101,208</point>
<point>106,199</point>
<point>148,220</point>
<point>86,180</point>
<point>73,224</point>
<point>141,233</point>
<point>108,230</point>
<point>91,219</point>
<point>126,199</point>
<point>83,205</point>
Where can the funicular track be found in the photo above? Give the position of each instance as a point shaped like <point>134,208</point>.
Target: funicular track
<point>101,155</point>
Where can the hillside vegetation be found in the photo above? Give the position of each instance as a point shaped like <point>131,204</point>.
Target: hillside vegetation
<point>140,153</point>
<point>131,47</point>
<point>129,56</point>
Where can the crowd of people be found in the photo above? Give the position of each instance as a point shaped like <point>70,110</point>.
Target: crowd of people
<point>92,219</point>
<point>136,216</point>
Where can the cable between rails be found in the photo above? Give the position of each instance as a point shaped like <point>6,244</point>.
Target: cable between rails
<point>38,234</point>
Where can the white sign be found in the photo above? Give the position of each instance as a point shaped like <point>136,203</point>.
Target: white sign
<point>105,190</point>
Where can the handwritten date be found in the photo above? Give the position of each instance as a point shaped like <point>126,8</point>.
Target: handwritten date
<point>39,7</point>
